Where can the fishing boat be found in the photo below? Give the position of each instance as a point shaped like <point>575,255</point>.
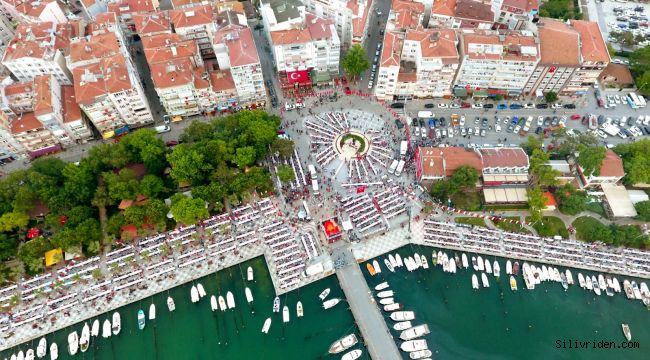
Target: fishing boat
<point>300,312</point>
<point>484,280</point>
<point>194,294</point>
<point>375,264</point>
<point>420,354</point>
<point>569,277</point>
<point>628,289</point>
<point>84,340</point>
<point>141,319</point>
<point>414,345</point>
<point>488,266</point>
<point>474,263</point>
<point>222,303</point>
<point>202,292</point>
<point>563,280</point>
<point>496,269</point>
<point>352,355</point>
<point>152,311</point>
<point>627,332</point>
<point>594,284</point>
<point>117,323</point>
<point>480,263</point>
<point>94,330</point>
<point>249,295</point>
<point>385,293</point>
<point>276,304</point>
<point>392,307</point>
<point>267,326</point>
<point>425,263</point>
<point>402,325</point>
<point>508,267</point>
<point>635,290</point>
<point>389,265</point>
<point>414,332</point>
<point>601,282</point>
<point>171,306</point>
<point>73,343</point>
<point>249,274</point>
<point>617,285</point>
<point>54,351</point>
<point>213,303</point>
<point>328,304</point>
<point>465,263</point>
<point>29,355</point>
<point>392,260</point>
<point>326,292</point>
<point>106,329</point>
<point>379,287</point>
<point>581,280</point>
<point>387,301</point>
<point>515,268</point>
<point>285,314</point>
<point>513,283</point>
<point>371,269</point>
<point>474,281</point>
<point>230,298</point>
<point>452,266</point>
<point>398,260</point>
<point>343,344</point>
<point>41,349</point>
<point>402,315</point>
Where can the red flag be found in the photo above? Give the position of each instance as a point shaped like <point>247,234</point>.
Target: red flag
<point>361,189</point>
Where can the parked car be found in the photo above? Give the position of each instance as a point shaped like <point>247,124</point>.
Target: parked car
<point>397,105</point>
<point>429,106</point>
<point>488,106</point>
<point>398,124</point>
<point>570,106</point>
<point>477,106</point>
<point>575,117</point>
<point>538,130</point>
<point>502,106</point>
<point>515,106</point>
<point>542,106</point>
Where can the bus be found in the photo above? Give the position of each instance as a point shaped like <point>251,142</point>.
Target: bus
<point>638,100</point>
<point>400,167</point>
<point>312,171</point>
<point>632,100</point>
<point>641,103</point>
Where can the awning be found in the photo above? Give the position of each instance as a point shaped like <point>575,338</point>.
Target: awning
<point>319,77</point>
<point>497,92</point>
<point>108,134</point>
<point>45,151</point>
<point>480,93</point>
<point>53,257</point>
<point>494,195</point>
<point>462,92</point>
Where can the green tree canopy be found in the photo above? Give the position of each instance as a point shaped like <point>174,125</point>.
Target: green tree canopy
<point>636,161</point>
<point>643,210</point>
<point>213,192</point>
<point>188,210</point>
<point>285,173</point>
<point>151,186</point>
<point>536,203</point>
<point>532,143</point>
<point>284,147</point>
<point>31,254</point>
<point>464,177</point>
<point>8,246</point>
<point>13,220</point>
<point>245,156</point>
<point>143,146</point>
<point>571,201</point>
<point>550,97</point>
<point>355,61</point>
<point>121,186</point>
<point>188,165</point>
<point>591,159</point>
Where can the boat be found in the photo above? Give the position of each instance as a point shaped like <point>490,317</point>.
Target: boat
<point>380,286</point>
<point>402,325</point>
<point>141,319</point>
<point>480,263</point>
<point>324,293</point>
<point>330,303</point>
<point>418,260</point>
<point>414,332</point>
<point>54,351</point>
<point>392,260</point>
<point>628,289</point>
<point>474,281</point>
<point>170,304</point>
<point>194,294</point>
<point>601,282</point>
<point>594,284</point>
<point>617,285</point>
<point>343,344</point>
<point>41,349</point>
<point>371,269</point>
<point>249,295</point>
<point>545,275</point>
<point>73,343</point>
<point>392,307</point>
<point>414,345</point>
<point>106,329</point>
<point>581,280</point>
<point>635,290</point>
<point>474,263</point>
<point>425,263</point>
<point>402,315</point>
<point>465,263</point>
<point>152,311</point>
<point>117,323</point>
<point>285,314</point>
<point>515,268</point>
<point>95,328</point>
<point>508,267</point>
<point>557,275</point>
<point>569,277</point>
<point>352,355</point>
<point>385,293</point>
<point>375,264</point>
<point>457,259</point>
<point>484,280</point>
<point>609,291</point>
<point>29,355</point>
<point>644,290</point>
<point>452,266</point>
<point>276,304</point>
<point>267,326</point>
<point>21,355</point>
<point>420,354</point>
<point>213,303</point>
<point>84,340</point>
<point>389,265</point>
<point>222,303</point>
<point>387,301</point>
<point>398,260</point>
<point>496,269</point>
<point>230,298</point>
<point>13,357</point>
<point>439,257</point>
<point>249,274</point>
<point>488,266</point>
<point>299,310</point>
<point>201,290</point>
<point>563,280</point>
<point>513,283</point>
<point>627,332</point>
<point>588,284</point>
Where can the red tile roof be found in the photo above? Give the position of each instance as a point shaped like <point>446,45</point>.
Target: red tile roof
<point>436,43</point>
<point>152,23</point>
<point>94,48</point>
<point>131,7</point>
<point>172,73</point>
<point>71,110</point>
<point>199,15</point>
<point>593,46</point>
<point>241,46</point>
<point>43,95</point>
<point>504,157</point>
<point>390,53</point>
<point>488,45</point>
<point>440,162</point>
<point>27,122</point>
<point>108,76</point>
<point>559,43</point>
<point>222,80</point>
<point>444,8</point>
<point>612,165</point>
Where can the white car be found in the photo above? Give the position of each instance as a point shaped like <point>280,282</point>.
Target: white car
<point>462,120</point>
<point>601,134</point>
<point>529,106</point>
<point>540,121</point>
<point>646,121</point>
<point>416,131</point>
<point>477,131</point>
<point>516,129</point>
<point>450,133</point>
<point>622,135</point>
<point>556,106</point>
<point>477,106</point>
<point>370,84</point>
<point>639,120</point>
<point>498,121</point>
<point>454,106</point>
<point>442,106</point>
<point>463,131</point>
<point>497,128</point>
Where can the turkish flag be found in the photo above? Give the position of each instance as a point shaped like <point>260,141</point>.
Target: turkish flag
<point>361,189</point>
<point>300,76</point>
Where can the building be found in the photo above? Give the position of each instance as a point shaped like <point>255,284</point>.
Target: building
<point>175,85</point>
<point>37,139</point>
<point>349,17</point>
<point>433,164</point>
<point>618,202</point>
<point>565,171</point>
<point>514,14</point>
<point>405,15</point>
<point>560,57</point>
<point>127,9</point>
<point>7,31</point>
<point>196,23</point>
<point>496,62</point>
<point>594,56</point>
<point>616,76</point>
<point>462,14</point>
<point>611,172</point>
<point>504,166</point>
<point>93,8</point>
<point>389,66</point>
<point>278,15</point>
<point>33,12</point>
<point>152,24</point>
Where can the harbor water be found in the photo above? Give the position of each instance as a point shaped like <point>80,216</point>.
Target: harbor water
<point>496,323</point>
<point>192,331</point>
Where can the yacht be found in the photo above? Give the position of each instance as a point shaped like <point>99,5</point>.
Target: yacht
<point>420,354</point>
<point>465,263</point>
<point>398,260</point>
<point>378,287</point>
<point>249,274</point>
<point>194,294</point>
<point>249,295</point>
<point>330,303</point>
<point>285,314</point>
<point>601,282</point>
<point>152,311</point>
<point>402,325</point>
<point>496,269</point>
<point>106,329</point>
<point>385,293</point>
<point>213,303</point>
<point>627,332</point>
<point>414,345</point>
<point>425,263</point>
<point>299,310</point>
<point>488,266</point>
<point>581,280</point>
<point>202,292</point>
<point>375,264</point>
<point>594,284</point>
<point>636,291</point>
<point>563,280</point>
<point>392,307</point>
<point>474,263</point>
<point>588,284</point>
<point>644,289</point>
<point>352,355</point>
<point>54,351</point>
<point>84,340</point>
<point>617,285</point>
<point>276,304</point>
<point>402,315</point>
<point>222,303</point>
<point>389,266</point>
<point>387,301</point>
<point>326,292</point>
<point>41,350</point>
<point>513,283</point>
<point>418,260</point>
<point>29,355</point>
<point>569,277</point>
<point>392,260</point>
<point>508,267</point>
<point>414,332</point>
<point>484,280</point>
<point>95,328</point>
<point>141,319</point>
<point>343,344</point>
<point>73,343</point>
<point>117,323</point>
<point>474,281</point>
<point>267,325</point>
<point>628,289</point>
<point>480,263</point>
<point>452,266</point>
<point>230,298</point>
<point>515,268</point>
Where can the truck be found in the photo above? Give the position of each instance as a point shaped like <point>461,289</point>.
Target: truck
<point>403,147</point>
<point>393,166</point>
<point>610,129</point>
<point>425,114</point>
<point>454,119</point>
<point>400,167</point>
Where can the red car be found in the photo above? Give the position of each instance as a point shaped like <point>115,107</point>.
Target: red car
<point>465,105</point>
<point>575,117</point>
<point>171,143</point>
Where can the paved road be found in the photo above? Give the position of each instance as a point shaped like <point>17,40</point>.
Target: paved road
<point>380,343</point>
<point>374,36</point>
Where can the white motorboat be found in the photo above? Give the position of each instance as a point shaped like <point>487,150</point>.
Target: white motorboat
<point>628,289</point>
<point>324,294</point>
<point>285,314</point>
<point>13,357</point>
<point>94,330</point>
<point>230,299</point>
<point>488,266</point>
<point>643,288</point>
<point>594,284</point>
<point>465,262</point>
<point>617,285</point>
<point>496,269</point>
<point>276,304</point>
<point>569,277</point>
<point>392,307</point>
<point>106,329</point>
<point>117,323</point>
<point>29,355</point>
<point>387,301</point>
<point>508,267</point>
<point>475,263</point>
<point>41,349</point>
<point>474,281</point>
<point>420,354</point>
<point>588,284</point>
<point>484,280</point>
<point>194,294</point>
<point>402,325</point>
<point>398,260</point>
<point>249,295</point>
<point>249,274</point>
<point>452,266</point>
<point>545,275</point>
<point>414,345</point>
<point>170,304</point>
<point>202,292</point>
<point>375,264</point>
<point>267,326</point>
<point>581,280</point>
<point>402,315</point>
<point>152,311</point>
<point>392,260</point>
<point>425,262</point>
<point>300,312</point>
<point>328,304</point>
<point>480,264</point>
<point>352,355</point>
<point>418,260</point>
<point>213,303</point>
<point>556,275</point>
<point>380,286</point>
<point>343,344</point>
<point>601,282</point>
<point>389,265</point>
<point>414,332</point>
<point>222,303</point>
<point>73,343</point>
<point>636,291</point>
<point>141,319</point>
<point>54,351</point>
<point>565,283</point>
<point>21,355</point>
<point>84,340</point>
<point>513,283</point>
<point>627,332</point>
<point>385,293</point>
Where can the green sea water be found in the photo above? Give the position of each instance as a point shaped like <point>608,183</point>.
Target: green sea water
<point>496,323</point>
<point>194,332</point>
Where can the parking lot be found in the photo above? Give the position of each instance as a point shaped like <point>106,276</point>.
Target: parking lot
<point>621,16</point>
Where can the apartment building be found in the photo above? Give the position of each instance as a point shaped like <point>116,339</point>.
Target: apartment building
<point>559,47</point>
<point>405,15</point>
<point>594,56</point>
<point>157,23</point>
<point>515,14</point>
<point>389,66</point>
<point>496,62</point>
<point>611,172</point>
<point>93,8</point>
<point>10,149</point>
<point>278,15</point>
<point>462,14</point>
<point>33,12</point>
<point>127,9</point>
<point>349,17</point>
<point>196,23</point>
<point>7,31</point>
<point>175,85</point>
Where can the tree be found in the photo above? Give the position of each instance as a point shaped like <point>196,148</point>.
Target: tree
<point>8,246</point>
<point>188,165</point>
<point>121,186</point>
<point>245,156</point>
<point>80,182</point>
<point>143,146</point>
<point>13,220</point>
<point>536,203</point>
<point>90,234</point>
<point>151,186</point>
<point>115,223</point>
<point>636,161</point>
<point>198,131</point>
<point>156,211</point>
<point>284,147</point>
<point>134,215</point>
<point>643,210</point>
<point>571,201</point>
<point>611,50</point>
<point>212,193</point>
<point>550,97</point>
<point>643,83</point>
<point>532,143</point>
<point>541,173</point>
<point>31,254</point>
<point>464,177</point>
<point>591,159</point>
<point>355,62</point>
<point>440,191</point>
<point>188,210</point>
<point>285,173</point>
<point>65,239</point>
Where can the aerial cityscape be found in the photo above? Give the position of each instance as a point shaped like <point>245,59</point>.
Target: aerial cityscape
<point>324,179</point>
